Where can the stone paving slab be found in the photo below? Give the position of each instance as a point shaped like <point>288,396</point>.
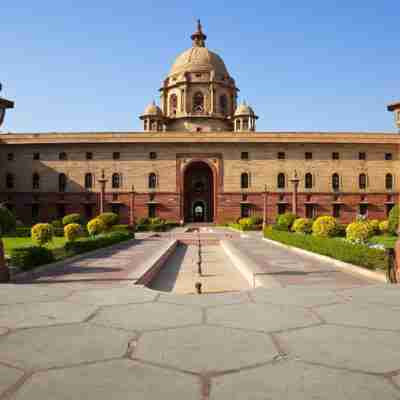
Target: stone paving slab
<point>57,346</point>
<point>8,377</point>
<point>379,294</point>
<point>296,380</point>
<point>116,380</point>
<point>209,300</point>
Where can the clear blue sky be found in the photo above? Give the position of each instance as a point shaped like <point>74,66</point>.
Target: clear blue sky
<point>94,65</point>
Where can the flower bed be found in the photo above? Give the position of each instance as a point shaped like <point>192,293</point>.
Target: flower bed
<point>339,249</point>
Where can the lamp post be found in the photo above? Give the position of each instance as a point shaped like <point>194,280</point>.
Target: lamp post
<point>102,182</point>
<point>264,225</point>
<point>295,181</point>
<point>132,209</point>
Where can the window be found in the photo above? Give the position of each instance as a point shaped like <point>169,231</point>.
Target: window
<point>362,181</point>
<point>388,156</point>
<point>35,212</point>
<point>153,155</point>
<point>89,155</point>
<point>10,156</point>
<point>116,155</point>
<point>88,211</point>
<point>244,180</point>
<point>281,209</point>
<point>335,155</point>
<point>115,208</point>
<point>238,125</point>
<point>244,155</point>
<point>35,181</point>
<point>336,210</point>
<point>363,210</point>
<point>10,181</point>
<point>198,102</point>
<point>310,211</point>
<point>335,182</point>
<point>308,181</point>
<point>244,211</point>
<point>308,155</point>
<point>62,182</point>
<point>389,181</point>
<point>62,156</point>
<point>152,180</point>
<point>116,181</point>
<point>152,211</point>
<point>173,104</point>
<point>88,180</point>
<point>281,181</point>
<point>60,211</point>
<point>245,124</point>
<point>36,156</point>
<point>281,155</point>
<point>388,209</point>
<point>362,155</point>
<point>223,104</point>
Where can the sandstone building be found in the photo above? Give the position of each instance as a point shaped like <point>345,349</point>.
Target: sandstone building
<point>199,159</point>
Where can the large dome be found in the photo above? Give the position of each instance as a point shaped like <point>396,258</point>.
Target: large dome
<point>199,59</point>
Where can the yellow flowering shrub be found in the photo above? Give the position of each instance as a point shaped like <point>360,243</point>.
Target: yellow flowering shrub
<point>42,234</point>
<point>72,232</point>
<point>358,232</point>
<point>96,226</point>
<point>302,225</point>
<point>324,226</point>
<point>384,227</point>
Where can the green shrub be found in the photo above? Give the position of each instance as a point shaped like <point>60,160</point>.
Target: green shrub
<point>155,221</point>
<point>143,221</point>
<point>357,254</point>
<point>394,220</point>
<point>42,234</point>
<point>109,219</point>
<point>340,230</point>
<point>29,257</point>
<point>74,218</point>
<point>286,220</point>
<point>72,232</point>
<point>324,226</point>
<point>121,227</point>
<point>7,220</point>
<point>83,245</point>
<point>384,227</point>
<point>358,232</point>
<point>302,225</point>
<point>96,226</point>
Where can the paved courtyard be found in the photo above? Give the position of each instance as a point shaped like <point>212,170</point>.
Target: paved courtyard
<point>92,336</point>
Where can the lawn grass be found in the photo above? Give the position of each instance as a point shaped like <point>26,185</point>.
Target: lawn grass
<point>13,242</point>
<point>387,241</point>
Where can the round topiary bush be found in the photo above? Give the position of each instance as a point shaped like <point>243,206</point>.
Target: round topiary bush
<point>324,226</point>
<point>72,219</point>
<point>96,226</point>
<point>394,220</point>
<point>72,232</point>
<point>109,219</point>
<point>374,226</point>
<point>358,232</point>
<point>42,234</point>
<point>286,220</point>
<point>302,225</point>
<point>7,220</point>
<point>384,227</point>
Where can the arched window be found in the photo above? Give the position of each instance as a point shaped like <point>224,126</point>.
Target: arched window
<point>10,181</point>
<point>88,180</point>
<point>245,124</point>
<point>335,181</point>
<point>281,181</point>
<point>244,180</point>
<point>173,104</point>
<point>35,181</point>
<point>308,181</point>
<point>62,156</point>
<point>152,180</point>
<point>389,181</point>
<point>62,182</point>
<point>362,181</point>
<point>116,181</point>
<point>198,102</point>
<point>223,104</point>
<point>238,125</point>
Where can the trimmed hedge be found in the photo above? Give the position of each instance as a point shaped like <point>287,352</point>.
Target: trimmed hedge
<point>74,218</point>
<point>339,249</point>
<point>30,257</point>
<point>394,220</point>
<point>93,243</point>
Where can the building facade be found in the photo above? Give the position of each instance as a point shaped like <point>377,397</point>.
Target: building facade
<point>199,158</point>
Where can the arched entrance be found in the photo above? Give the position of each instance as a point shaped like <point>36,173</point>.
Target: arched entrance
<point>198,189</point>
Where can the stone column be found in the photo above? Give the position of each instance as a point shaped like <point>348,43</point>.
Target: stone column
<point>264,225</point>
<point>132,209</point>
<point>102,182</point>
<point>295,181</point>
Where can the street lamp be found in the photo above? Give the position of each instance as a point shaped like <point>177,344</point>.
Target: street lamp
<point>264,225</point>
<point>295,181</point>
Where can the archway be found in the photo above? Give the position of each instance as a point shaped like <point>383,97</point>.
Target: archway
<point>198,193</point>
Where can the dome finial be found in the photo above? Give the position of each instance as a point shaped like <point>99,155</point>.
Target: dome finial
<point>199,37</point>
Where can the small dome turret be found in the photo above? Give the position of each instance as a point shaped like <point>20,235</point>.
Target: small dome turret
<point>244,118</point>
<point>152,110</point>
<point>153,118</point>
